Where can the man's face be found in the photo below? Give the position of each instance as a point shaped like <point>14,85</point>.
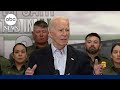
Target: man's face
<point>92,44</point>
<point>60,33</point>
<point>40,35</point>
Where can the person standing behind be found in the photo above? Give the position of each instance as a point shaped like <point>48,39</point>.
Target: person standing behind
<point>58,58</point>
<point>19,64</point>
<point>92,47</point>
<point>115,58</point>
<point>40,36</point>
<point>3,61</point>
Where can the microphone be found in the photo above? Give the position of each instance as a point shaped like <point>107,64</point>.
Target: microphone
<point>57,72</point>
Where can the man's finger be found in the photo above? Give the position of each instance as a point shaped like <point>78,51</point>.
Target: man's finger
<point>27,71</point>
<point>96,62</point>
<point>34,67</point>
<point>28,68</point>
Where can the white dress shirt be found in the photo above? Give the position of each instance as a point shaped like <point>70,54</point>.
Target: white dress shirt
<point>59,58</point>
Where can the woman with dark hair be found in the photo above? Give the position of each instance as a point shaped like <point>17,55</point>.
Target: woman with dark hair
<point>115,57</point>
<point>18,64</point>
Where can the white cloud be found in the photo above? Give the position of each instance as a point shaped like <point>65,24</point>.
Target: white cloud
<point>103,22</point>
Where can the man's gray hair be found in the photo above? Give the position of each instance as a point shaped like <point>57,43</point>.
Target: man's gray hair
<point>52,21</point>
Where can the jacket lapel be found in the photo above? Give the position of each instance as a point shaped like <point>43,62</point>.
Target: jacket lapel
<point>50,60</point>
<point>70,61</point>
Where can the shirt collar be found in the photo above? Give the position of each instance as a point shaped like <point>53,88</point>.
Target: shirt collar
<point>13,65</point>
<point>64,50</point>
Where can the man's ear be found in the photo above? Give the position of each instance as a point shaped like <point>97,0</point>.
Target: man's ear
<point>32,33</point>
<point>100,46</point>
<point>85,44</point>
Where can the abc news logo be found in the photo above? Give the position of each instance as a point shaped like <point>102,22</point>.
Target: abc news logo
<point>10,19</point>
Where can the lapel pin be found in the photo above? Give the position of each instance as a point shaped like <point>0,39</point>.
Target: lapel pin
<point>72,58</point>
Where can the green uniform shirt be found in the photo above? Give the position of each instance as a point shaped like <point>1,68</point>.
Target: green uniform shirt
<point>9,68</point>
<point>101,59</point>
<point>3,62</point>
<point>111,71</point>
<point>32,48</point>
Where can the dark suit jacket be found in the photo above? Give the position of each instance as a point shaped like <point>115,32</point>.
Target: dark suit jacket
<point>76,63</point>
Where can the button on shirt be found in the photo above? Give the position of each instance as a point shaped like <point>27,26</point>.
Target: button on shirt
<point>59,59</point>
